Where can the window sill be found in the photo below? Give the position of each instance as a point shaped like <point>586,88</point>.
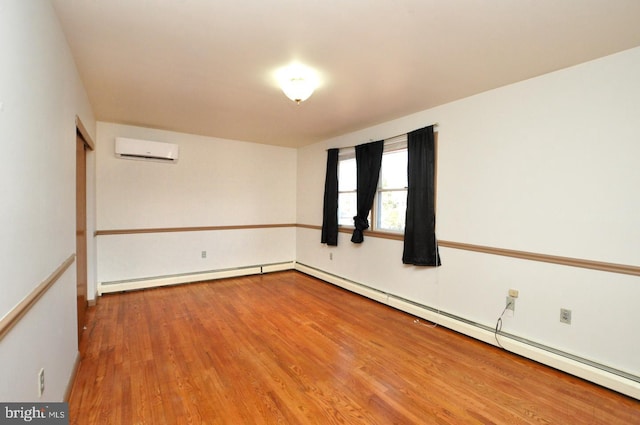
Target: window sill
<point>374,233</point>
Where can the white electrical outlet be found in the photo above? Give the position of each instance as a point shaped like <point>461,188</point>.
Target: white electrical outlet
<point>204,254</point>
<point>510,304</point>
<point>331,256</point>
<point>565,316</point>
<point>509,307</point>
<point>41,382</point>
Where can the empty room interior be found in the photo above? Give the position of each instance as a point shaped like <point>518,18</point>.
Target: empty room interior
<point>182,224</point>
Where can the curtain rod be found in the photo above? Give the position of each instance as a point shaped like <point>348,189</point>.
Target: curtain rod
<point>435,124</point>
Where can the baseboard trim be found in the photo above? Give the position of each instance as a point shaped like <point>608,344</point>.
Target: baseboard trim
<point>619,381</point>
<point>156,281</point>
<point>278,267</point>
<point>72,378</point>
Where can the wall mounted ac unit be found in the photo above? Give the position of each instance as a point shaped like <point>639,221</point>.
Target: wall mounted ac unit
<point>146,150</point>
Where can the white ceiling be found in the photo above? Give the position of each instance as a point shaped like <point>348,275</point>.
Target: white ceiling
<point>206,66</point>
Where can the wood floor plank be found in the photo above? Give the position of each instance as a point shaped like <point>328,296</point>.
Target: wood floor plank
<point>285,348</point>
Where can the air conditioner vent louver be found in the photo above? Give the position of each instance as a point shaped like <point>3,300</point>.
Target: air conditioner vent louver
<point>146,150</point>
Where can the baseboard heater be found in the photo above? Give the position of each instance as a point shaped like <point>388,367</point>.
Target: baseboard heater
<point>605,376</point>
<point>176,279</point>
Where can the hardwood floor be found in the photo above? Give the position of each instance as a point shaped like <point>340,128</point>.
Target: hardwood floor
<point>285,348</point>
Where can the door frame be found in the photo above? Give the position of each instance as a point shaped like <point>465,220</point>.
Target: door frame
<point>83,143</point>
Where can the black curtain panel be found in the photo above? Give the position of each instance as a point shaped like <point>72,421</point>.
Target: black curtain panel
<point>420,245</point>
<point>330,206</point>
<point>368,162</point>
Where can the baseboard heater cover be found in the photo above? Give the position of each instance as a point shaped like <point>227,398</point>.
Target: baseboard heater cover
<point>605,376</point>
<point>176,279</point>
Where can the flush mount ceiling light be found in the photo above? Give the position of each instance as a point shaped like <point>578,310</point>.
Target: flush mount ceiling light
<point>297,81</point>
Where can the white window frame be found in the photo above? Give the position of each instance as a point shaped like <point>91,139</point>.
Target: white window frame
<point>390,146</point>
<point>344,155</point>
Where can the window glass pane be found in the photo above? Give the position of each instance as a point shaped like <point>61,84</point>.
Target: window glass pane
<point>392,206</point>
<point>393,174</point>
<point>347,176</point>
<point>347,208</point>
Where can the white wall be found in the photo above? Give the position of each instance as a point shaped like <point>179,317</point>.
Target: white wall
<point>215,182</point>
<point>548,165</point>
<point>40,94</point>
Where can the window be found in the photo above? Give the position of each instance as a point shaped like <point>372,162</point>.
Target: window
<point>389,206</point>
<point>347,201</point>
